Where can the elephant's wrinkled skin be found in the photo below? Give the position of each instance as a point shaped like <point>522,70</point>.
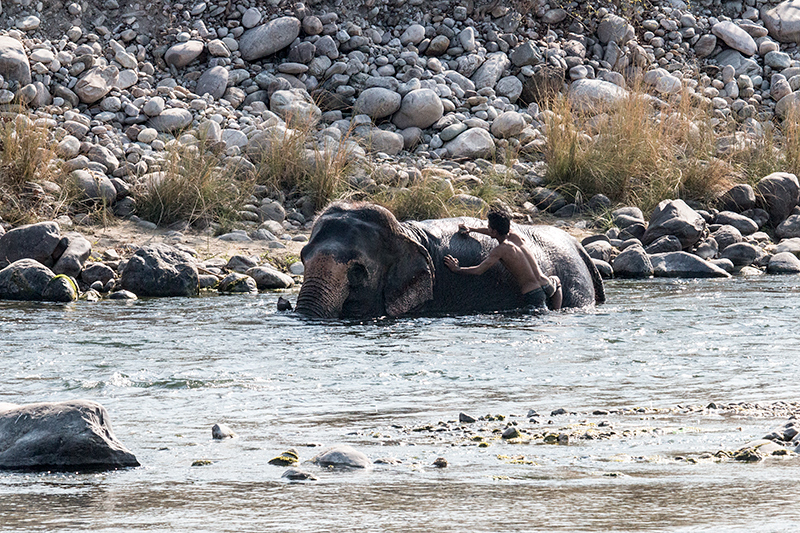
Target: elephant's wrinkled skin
<point>361,262</point>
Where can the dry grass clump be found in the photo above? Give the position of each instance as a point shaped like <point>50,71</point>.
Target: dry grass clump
<point>635,154</point>
<point>191,187</point>
<point>27,173</point>
<point>288,160</point>
<point>422,200</point>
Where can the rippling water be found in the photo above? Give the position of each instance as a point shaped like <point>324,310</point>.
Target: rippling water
<point>168,369</point>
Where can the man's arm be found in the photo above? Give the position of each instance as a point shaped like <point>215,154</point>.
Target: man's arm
<point>464,229</point>
<point>494,256</point>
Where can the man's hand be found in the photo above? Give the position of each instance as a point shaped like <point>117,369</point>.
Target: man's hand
<point>463,229</point>
<point>451,263</point>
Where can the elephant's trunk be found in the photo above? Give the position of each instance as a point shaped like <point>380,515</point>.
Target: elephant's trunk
<point>324,288</point>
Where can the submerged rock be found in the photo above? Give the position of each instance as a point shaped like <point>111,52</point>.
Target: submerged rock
<point>342,456</point>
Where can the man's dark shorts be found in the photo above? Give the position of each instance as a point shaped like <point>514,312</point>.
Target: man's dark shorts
<point>539,298</point>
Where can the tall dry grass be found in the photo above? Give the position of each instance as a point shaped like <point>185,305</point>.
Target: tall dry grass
<point>636,154</point>
<point>26,161</point>
<point>288,160</point>
<point>191,187</point>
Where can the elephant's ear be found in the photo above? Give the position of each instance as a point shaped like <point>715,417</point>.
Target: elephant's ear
<point>409,281</point>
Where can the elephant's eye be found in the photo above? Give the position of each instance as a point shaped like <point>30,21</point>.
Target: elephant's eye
<point>357,275</point>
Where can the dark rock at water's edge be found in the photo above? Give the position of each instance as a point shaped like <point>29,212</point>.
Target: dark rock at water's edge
<point>160,270</point>
<point>73,436</point>
<point>30,281</point>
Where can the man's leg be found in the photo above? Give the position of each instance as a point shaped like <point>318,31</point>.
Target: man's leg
<point>554,293</point>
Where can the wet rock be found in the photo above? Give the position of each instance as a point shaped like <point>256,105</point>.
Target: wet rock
<point>789,228</point>
<point>76,251</point>
<point>684,265</point>
<point>633,262</point>
<point>674,217</point>
<point>24,280</point>
<point>160,270</point>
<point>72,436</point>
<point>97,272</point>
<point>288,458</point>
<point>665,244</point>
<point>122,295</point>
<point>440,462</point>
<point>61,288</point>
<point>283,304</point>
<point>464,418</point>
<point>511,433</point>
<point>783,263</point>
<point>741,254</point>
<point>295,474</point>
<point>342,456</point>
<point>238,283</point>
<point>32,241</point>
<point>265,40</point>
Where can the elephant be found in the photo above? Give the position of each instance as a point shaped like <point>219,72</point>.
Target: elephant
<point>360,262</point>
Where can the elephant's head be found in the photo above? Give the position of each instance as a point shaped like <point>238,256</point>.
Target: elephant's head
<point>361,262</point>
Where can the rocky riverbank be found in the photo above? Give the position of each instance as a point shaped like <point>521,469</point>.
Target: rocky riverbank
<point>447,96</point>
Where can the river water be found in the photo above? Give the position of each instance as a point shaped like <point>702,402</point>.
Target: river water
<point>168,369</point>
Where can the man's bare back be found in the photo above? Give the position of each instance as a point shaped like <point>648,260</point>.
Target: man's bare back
<point>516,256</point>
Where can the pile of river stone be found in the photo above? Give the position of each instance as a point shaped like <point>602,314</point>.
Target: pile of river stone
<point>679,241</point>
<point>38,263</point>
<point>115,85</point>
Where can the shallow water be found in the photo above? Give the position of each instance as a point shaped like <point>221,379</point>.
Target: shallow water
<point>168,369</point>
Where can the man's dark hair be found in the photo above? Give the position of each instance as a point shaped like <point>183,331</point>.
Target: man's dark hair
<point>499,220</point>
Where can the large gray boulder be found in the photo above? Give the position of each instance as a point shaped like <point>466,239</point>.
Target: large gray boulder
<point>684,265</point>
<point>674,217</point>
<point>342,456</point>
<point>738,198</point>
<point>783,21</point>
<point>632,262</point>
<point>735,37</point>
<point>472,144</point>
<point>181,54</point>
<point>214,81</point>
<point>76,251</point>
<point>14,65</point>
<point>745,225</point>
<point>24,280</point>
<point>94,186</point>
<point>61,436</point>
<point>783,263</point>
<point>160,270</point>
<point>96,83</point>
<point>491,70</point>
<point>296,107</point>
<point>34,241</point>
<point>779,194</point>
<point>419,108</point>
<point>595,96</point>
<point>266,39</point>
<point>614,28</point>
<point>789,228</point>
<point>267,278</point>
<point>377,102</point>
<point>727,235</point>
<point>171,120</point>
<point>742,254</point>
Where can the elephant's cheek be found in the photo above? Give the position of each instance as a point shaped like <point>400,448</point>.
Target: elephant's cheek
<point>324,289</point>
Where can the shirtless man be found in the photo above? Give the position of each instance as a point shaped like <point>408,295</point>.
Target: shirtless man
<point>514,252</point>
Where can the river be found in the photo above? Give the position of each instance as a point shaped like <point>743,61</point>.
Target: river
<point>643,365</point>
